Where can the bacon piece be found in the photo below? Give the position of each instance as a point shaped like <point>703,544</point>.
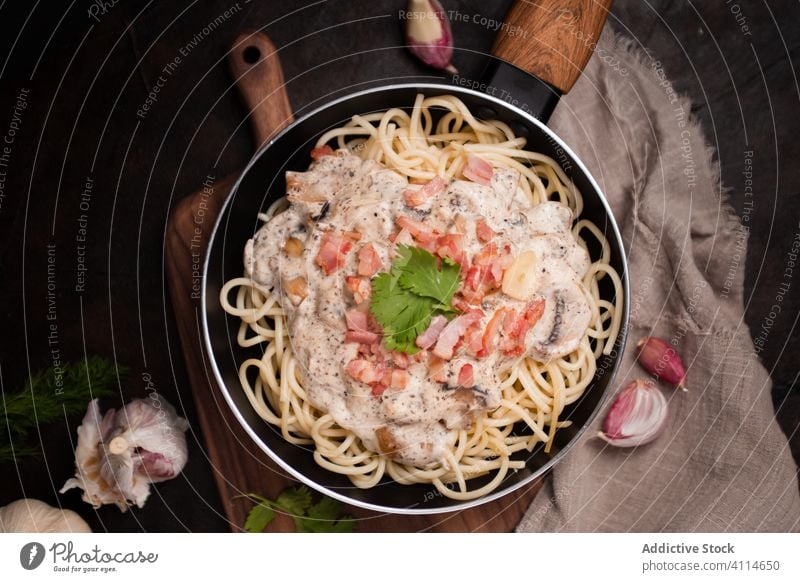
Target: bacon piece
<point>365,371</point>
<point>517,326</point>
<point>332,252</point>
<point>369,262</point>
<point>392,378</point>
<point>473,338</point>
<point>399,379</point>
<point>437,370</point>
<point>491,331</point>
<point>452,247</point>
<point>473,278</point>
<point>478,170</point>
<point>399,360</point>
<point>484,231</point>
<point>499,267</point>
<point>418,231</point>
<point>453,332</point>
<point>361,337</point>
<point>322,151</point>
<point>417,196</point>
<point>428,337</point>
<point>360,288</point>
<point>466,376</point>
<point>484,257</point>
<point>356,320</point>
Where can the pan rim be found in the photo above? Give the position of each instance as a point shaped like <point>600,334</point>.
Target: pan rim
<point>501,491</point>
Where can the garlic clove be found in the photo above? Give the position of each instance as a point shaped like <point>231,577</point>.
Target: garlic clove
<point>520,279</point>
<point>34,516</point>
<point>637,416</point>
<point>660,359</point>
<point>428,34</point>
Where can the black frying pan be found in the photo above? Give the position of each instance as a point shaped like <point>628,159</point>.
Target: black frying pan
<point>554,40</point>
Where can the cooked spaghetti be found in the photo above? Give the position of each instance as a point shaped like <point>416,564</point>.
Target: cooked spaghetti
<point>484,376</point>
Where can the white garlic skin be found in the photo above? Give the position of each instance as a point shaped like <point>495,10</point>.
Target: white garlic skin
<point>637,416</point>
<point>34,516</point>
<point>119,456</point>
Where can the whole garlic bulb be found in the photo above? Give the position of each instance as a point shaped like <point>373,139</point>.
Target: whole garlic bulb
<point>118,456</point>
<point>34,516</point>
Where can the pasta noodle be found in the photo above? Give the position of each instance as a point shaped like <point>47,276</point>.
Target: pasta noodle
<point>534,394</point>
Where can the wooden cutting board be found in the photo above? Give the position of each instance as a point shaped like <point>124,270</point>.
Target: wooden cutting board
<point>239,465</point>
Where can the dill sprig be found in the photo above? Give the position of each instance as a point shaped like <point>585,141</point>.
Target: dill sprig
<point>47,398</point>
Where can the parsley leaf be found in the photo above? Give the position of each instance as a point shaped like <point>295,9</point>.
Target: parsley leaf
<point>259,517</point>
<point>414,290</point>
<point>295,501</point>
<point>325,516</point>
<point>422,275</point>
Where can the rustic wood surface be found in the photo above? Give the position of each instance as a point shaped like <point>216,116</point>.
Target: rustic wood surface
<point>556,38</point>
<point>239,465</point>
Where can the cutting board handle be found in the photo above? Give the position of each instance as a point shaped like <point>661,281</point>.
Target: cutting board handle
<point>256,69</point>
<point>552,39</point>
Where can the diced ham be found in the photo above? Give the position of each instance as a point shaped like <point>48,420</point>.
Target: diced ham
<point>333,250</point>
<point>319,152</point>
<point>466,376</point>
<point>483,231</point>
<point>416,196</point>
<point>478,170</point>
<point>452,332</point>
<point>369,262</point>
<point>360,288</point>
<point>428,337</point>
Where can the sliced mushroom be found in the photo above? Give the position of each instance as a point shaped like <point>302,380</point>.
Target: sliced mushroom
<point>562,326</point>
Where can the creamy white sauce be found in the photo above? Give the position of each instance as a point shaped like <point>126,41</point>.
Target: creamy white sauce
<point>342,193</point>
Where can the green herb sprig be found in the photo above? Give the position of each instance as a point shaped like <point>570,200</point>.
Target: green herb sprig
<point>416,289</point>
<point>324,516</point>
<point>47,397</point>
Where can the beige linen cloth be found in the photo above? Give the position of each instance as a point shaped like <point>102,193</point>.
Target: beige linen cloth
<point>723,463</point>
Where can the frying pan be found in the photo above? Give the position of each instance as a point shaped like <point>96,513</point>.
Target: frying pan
<point>523,81</point>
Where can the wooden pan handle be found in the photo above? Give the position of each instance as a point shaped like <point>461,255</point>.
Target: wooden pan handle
<point>256,69</point>
<point>552,39</point>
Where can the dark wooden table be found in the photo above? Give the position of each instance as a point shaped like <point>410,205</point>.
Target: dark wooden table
<point>139,100</point>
